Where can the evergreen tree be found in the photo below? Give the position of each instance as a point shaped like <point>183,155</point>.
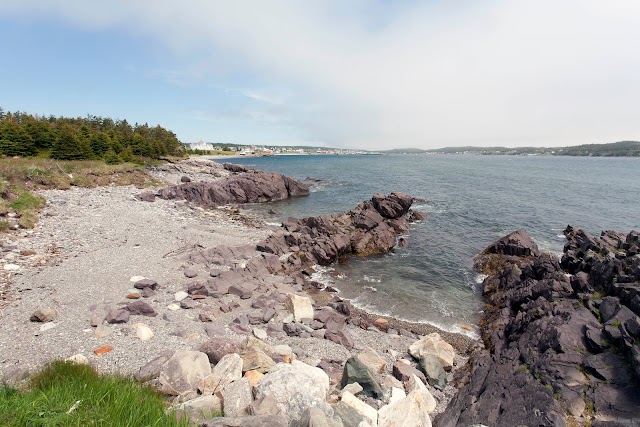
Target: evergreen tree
<point>67,146</point>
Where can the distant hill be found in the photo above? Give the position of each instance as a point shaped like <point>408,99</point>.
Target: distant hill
<point>615,149</point>
<point>405,151</point>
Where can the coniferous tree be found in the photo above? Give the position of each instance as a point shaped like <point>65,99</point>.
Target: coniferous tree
<point>67,145</point>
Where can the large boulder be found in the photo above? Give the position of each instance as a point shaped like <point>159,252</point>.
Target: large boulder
<point>354,411</point>
<point>226,371</point>
<point>200,408</point>
<point>392,206</point>
<point>518,244</point>
<point>411,411</point>
<point>300,307</point>
<point>217,348</point>
<point>183,372</point>
<point>433,371</point>
<point>237,398</point>
<point>253,421</point>
<point>435,345</point>
<point>295,387</point>
<point>355,371</point>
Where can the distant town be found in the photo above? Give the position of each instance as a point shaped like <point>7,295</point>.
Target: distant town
<point>207,148</point>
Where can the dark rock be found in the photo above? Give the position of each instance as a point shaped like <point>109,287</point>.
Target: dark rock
<point>291,329</point>
<point>146,196</point>
<point>268,313</point>
<point>231,167</point>
<point>418,216</point>
<point>243,291</point>
<point>152,369</point>
<point>403,372</point>
<point>141,308</point>
<point>244,188</point>
<point>148,292</point>
<point>392,206</point>
<point>433,371</point>
<point>341,337</point>
<point>518,243</point>
<point>146,283</point>
<point>185,178</point>
<point>190,273</point>
<point>357,372</point>
<point>117,316</point>
<point>609,307</point>
<point>188,303</point>
<point>216,348</point>
<point>198,289</point>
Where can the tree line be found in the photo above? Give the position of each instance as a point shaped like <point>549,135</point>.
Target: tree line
<point>88,138</point>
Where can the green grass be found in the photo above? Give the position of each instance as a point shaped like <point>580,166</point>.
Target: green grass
<point>26,201</point>
<point>67,394</point>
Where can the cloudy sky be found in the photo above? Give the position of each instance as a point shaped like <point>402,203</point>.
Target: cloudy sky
<point>372,74</point>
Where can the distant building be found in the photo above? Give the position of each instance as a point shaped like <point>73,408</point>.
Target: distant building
<point>201,145</point>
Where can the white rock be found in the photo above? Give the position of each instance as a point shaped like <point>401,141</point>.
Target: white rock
<point>200,408</point>
<point>295,387</point>
<point>179,296</point>
<point>433,344</point>
<point>237,398</point>
<point>79,359</point>
<point>183,372</point>
<point>411,411</point>
<point>103,331</point>
<point>143,331</point>
<point>260,333</point>
<point>416,386</point>
<point>136,278</point>
<point>396,395</point>
<point>372,360</point>
<point>300,307</point>
<point>353,388</point>
<point>227,370</point>
<point>11,267</point>
<point>173,307</point>
<point>369,414</point>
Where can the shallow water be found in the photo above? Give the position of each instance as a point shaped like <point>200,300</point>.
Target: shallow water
<point>472,201</point>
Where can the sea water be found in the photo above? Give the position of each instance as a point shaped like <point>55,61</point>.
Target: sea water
<point>471,201</point>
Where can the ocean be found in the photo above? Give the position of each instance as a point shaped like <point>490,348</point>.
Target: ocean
<point>471,201</point>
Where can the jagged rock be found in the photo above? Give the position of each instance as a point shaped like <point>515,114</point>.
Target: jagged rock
<point>44,315</point>
<point>237,398</point>
<point>411,411</point>
<point>417,386</point>
<point>341,337</point>
<point>372,360</point>
<point>433,344</point>
<point>244,188</point>
<point>433,371</point>
<point>216,348</point>
<point>300,307</point>
<point>353,411</point>
<point>256,360</point>
<point>152,369</point>
<point>355,371</point>
<point>253,377</point>
<point>518,244</point>
<point>199,409</point>
<point>403,372</point>
<point>296,387</point>
<point>183,372</point>
<point>117,316</point>
<point>226,371</point>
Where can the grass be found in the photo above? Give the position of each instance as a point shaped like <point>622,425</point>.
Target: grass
<point>20,177</point>
<point>67,394</point>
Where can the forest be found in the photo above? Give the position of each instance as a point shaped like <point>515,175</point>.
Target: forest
<point>88,138</point>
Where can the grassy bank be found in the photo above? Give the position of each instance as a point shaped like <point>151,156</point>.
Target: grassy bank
<point>20,177</point>
<point>67,394</point>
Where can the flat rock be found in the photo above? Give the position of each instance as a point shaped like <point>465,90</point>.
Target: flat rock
<point>237,398</point>
<point>435,345</point>
<point>183,372</point>
<point>300,307</point>
<point>118,316</point>
<point>141,308</point>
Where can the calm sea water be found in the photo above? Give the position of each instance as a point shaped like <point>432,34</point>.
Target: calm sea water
<point>473,200</point>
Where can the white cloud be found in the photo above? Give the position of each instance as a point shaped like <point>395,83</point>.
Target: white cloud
<point>512,72</point>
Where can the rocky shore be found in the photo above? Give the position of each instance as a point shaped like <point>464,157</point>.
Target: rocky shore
<point>182,289</point>
<point>560,337</point>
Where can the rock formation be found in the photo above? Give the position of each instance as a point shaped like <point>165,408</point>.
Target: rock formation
<point>560,338</point>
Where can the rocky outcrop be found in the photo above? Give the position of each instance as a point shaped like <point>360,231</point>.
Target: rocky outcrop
<point>371,228</point>
<point>560,338</point>
<point>245,187</point>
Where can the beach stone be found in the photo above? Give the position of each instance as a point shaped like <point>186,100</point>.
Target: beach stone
<point>372,360</point>
<point>417,386</point>
<point>141,308</point>
<point>183,372</point>
<point>179,296</point>
<point>435,345</point>
<point>190,273</point>
<point>214,331</point>
<point>216,348</point>
<point>199,409</point>
<point>13,375</point>
<point>118,316</point>
<point>243,291</point>
<point>300,307</point>
<point>320,334</point>
<point>353,388</point>
<point>148,292</point>
<point>173,307</point>
<point>11,267</point>
<point>152,369</point>
<point>268,313</point>
<point>295,387</point>
<point>341,337</point>
<point>433,371</point>
<point>357,372</point>
<point>143,331</point>
<point>265,406</point>
<point>103,331</point>
<point>188,304</point>
<point>397,394</point>
<point>146,283</point>
<point>44,315</point>
<point>133,295</point>
<point>260,333</point>
<point>226,371</point>
<point>256,360</point>
<point>314,417</point>
<point>102,350</point>
<point>410,411</point>
<point>237,398</point>
<point>284,352</point>
<point>403,372</point>
<point>254,421</point>
<point>353,411</point>
<point>252,343</point>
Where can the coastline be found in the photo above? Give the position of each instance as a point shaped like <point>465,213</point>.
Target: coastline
<point>91,242</point>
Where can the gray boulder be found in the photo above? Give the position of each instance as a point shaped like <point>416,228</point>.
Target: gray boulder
<point>183,372</point>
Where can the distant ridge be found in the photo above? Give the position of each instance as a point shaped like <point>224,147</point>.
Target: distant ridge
<point>615,149</point>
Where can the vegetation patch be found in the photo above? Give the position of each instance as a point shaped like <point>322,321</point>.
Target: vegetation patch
<point>67,394</point>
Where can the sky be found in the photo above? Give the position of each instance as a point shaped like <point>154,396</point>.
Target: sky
<point>371,74</point>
